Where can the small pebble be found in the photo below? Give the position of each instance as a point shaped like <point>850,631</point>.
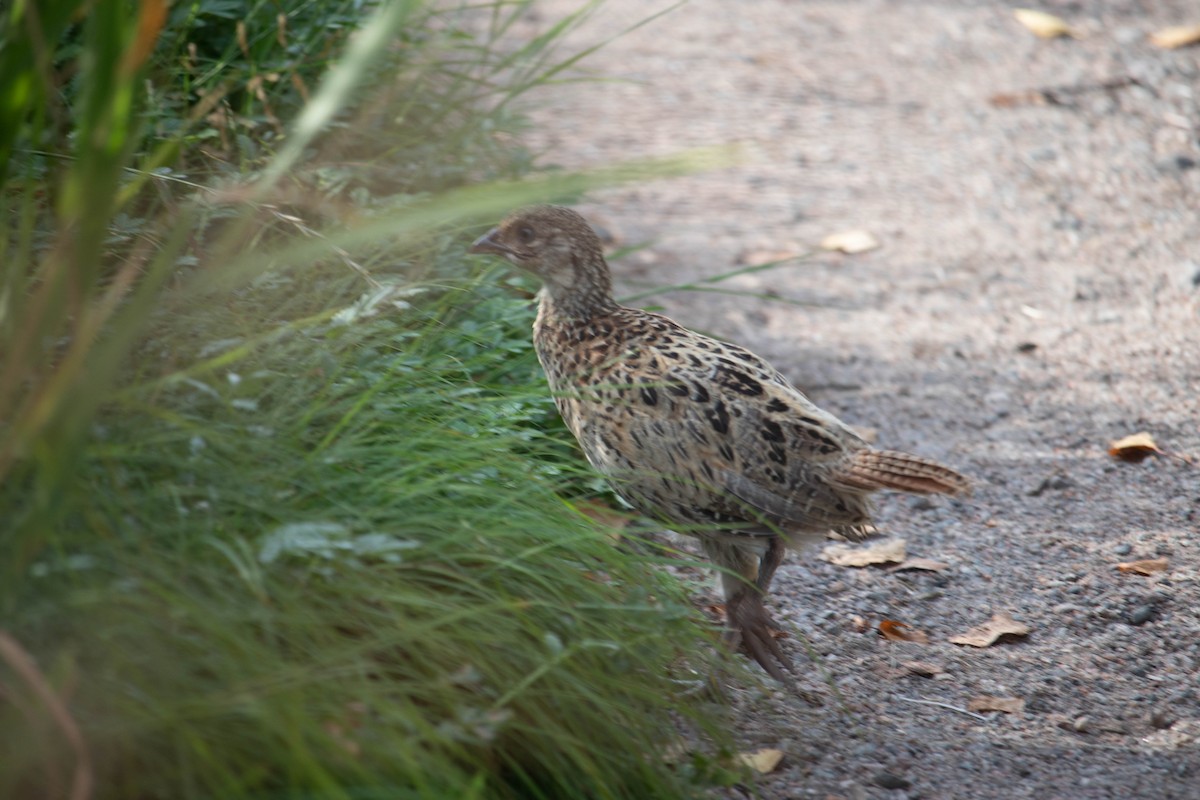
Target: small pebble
<point>1056,482</point>
<point>1161,720</point>
<point>1141,615</point>
<point>921,504</point>
<point>1123,549</point>
<point>888,780</point>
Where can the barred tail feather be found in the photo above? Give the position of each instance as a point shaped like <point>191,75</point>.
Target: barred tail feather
<point>870,470</point>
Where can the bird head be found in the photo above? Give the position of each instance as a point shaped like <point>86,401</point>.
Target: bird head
<point>557,245</point>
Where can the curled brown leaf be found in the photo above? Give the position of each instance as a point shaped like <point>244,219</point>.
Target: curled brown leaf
<point>762,761</point>
<point>1147,566</point>
<point>1001,624</point>
<point>1134,448</point>
<point>887,551</point>
<point>895,631</point>
<point>1176,36</point>
<point>922,668</point>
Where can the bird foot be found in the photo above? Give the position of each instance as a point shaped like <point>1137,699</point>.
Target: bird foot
<point>752,630</point>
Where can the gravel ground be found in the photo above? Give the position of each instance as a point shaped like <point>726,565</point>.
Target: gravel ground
<point>1036,295</point>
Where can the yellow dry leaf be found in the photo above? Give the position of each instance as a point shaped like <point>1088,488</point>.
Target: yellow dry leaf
<point>1134,448</point>
<point>853,241</point>
<point>895,631</point>
<point>1046,26</point>
<point>1009,705</point>
<point>985,635</point>
<point>887,551</point>
<point>759,257</point>
<point>762,761</point>
<point>927,564</point>
<point>1176,36</point>
<point>1147,566</point>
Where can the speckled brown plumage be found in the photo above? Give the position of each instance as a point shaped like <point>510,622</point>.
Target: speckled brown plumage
<point>702,435</point>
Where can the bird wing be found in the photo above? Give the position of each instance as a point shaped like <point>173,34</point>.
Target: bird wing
<point>713,431</point>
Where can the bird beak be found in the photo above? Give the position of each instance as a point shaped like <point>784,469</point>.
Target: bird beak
<point>489,243</point>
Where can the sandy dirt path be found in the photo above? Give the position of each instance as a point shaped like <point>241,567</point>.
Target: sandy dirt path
<point>1036,295</point>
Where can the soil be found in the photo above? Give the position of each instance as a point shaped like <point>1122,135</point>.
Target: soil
<point>1036,295</point>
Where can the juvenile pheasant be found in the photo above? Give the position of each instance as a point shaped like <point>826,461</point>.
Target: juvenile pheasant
<point>704,436</point>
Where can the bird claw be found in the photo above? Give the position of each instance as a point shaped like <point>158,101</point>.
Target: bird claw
<point>751,628</point>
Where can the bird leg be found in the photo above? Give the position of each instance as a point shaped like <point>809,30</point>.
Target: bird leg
<point>749,624</point>
<point>770,561</point>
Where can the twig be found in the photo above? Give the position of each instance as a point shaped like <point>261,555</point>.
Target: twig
<point>1060,95</point>
<point>946,706</point>
<point>22,663</point>
<point>299,224</point>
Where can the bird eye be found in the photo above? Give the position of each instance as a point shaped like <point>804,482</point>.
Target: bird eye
<point>525,234</point>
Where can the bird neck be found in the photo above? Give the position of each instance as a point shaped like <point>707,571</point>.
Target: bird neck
<point>580,293</point>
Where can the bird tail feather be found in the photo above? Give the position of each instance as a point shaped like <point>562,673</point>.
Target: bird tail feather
<point>871,470</point>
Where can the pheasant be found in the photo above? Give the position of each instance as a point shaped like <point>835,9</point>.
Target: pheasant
<point>703,436</point>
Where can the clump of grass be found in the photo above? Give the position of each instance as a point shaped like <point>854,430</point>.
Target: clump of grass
<point>351,576</point>
<point>258,547</point>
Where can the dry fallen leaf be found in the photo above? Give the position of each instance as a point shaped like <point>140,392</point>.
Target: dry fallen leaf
<point>1147,566</point>
<point>758,257</point>
<point>887,551</point>
<point>902,632</point>
<point>927,564</point>
<point>1009,705</point>
<point>985,635</point>
<point>853,241</point>
<point>1134,448</point>
<point>922,668</point>
<point>762,761</point>
<point>1046,26</point>
<point>1176,36</point>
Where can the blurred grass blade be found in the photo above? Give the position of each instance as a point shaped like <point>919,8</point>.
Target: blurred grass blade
<point>28,34</point>
<point>706,284</point>
<point>468,205</point>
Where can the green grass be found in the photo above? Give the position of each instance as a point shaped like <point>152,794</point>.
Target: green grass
<point>351,576</point>
<point>288,510</point>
